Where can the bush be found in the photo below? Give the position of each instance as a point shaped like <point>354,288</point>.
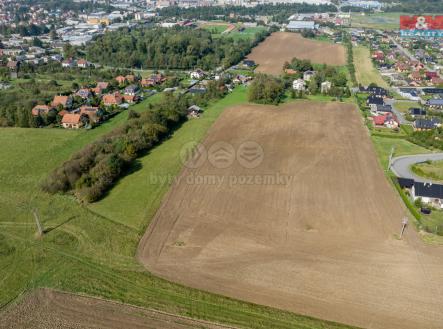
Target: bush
<point>266,89</point>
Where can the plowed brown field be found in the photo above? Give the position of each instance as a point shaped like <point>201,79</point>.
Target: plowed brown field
<point>282,47</point>
<point>48,309</point>
<point>320,241</point>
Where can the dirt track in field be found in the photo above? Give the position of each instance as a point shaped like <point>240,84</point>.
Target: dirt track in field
<point>48,309</point>
<point>282,47</point>
<point>321,245</point>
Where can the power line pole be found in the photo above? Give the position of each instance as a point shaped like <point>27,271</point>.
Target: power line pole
<point>38,223</point>
<point>390,157</point>
<point>403,226</point>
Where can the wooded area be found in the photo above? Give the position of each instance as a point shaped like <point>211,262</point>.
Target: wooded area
<point>168,48</point>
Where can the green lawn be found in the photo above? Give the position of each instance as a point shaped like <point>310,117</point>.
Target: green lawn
<point>432,170</point>
<point>91,249</point>
<point>383,146</point>
<point>365,71</point>
<point>404,106</point>
<point>384,21</point>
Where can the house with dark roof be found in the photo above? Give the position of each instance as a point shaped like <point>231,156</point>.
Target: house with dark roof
<point>374,101</point>
<point>382,109</point>
<point>249,63</point>
<point>376,91</point>
<point>428,193</point>
<point>435,103</point>
<point>426,124</point>
<point>416,112</point>
<point>405,182</point>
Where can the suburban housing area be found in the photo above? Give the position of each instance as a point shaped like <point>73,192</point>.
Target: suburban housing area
<point>221,164</point>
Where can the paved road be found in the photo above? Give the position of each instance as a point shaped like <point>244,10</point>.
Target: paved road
<point>400,115</point>
<point>400,166</point>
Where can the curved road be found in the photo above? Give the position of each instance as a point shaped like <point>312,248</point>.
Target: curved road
<point>401,165</point>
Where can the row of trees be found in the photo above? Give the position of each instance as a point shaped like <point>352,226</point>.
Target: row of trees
<point>163,48</point>
<point>93,171</point>
<point>350,57</point>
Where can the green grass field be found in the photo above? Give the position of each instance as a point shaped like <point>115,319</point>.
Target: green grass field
<point>383,146</point>
<point>432,170</point>
<point>365,71</point>
<point>90,249</point>
<point>383,21</point>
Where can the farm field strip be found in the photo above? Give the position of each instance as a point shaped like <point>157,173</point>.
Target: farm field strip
<point>365,71</point>
<point>282,47</point>
<point>322,244</point>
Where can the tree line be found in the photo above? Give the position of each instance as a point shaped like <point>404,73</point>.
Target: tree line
<point>90,173</point>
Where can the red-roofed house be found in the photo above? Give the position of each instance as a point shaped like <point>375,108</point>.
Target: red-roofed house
<point>437,81</point>
<point>416,76</point>
<point>91,112</point>
<point>112,99</point>
<point>130,98</point>
<point>65,101</point>
<point>72,121</point>
<point>82,63</point>
<point>40,109</point>
<point>431,74</point>
<point>120,79</point>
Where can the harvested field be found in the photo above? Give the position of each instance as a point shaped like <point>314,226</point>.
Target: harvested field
<point>46,309</point>
<point>318,241</point>
<point>282,47</point>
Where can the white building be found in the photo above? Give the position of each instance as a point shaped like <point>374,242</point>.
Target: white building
<point>298,85</point>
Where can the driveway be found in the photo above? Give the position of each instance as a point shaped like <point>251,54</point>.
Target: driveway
<point>401,165</point>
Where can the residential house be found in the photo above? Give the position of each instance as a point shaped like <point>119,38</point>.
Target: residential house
<point>386,120</point>
<point>378,55</point>
<point>431,74</point>
<point>92,112</point>
<point>437,81</point>
<point>72,121</point>
<point>197,74</point>
<point>68,63</point>
<point>131,90</point>
<point>82,63</point>
<point>325,87</point>
<point>402,67</point>
<point>120,79</point>
<point>83,93</point>
<point>249,63</point>
<point>194,111</point>
<point>436,104</point>
<point>409,93</point>
<point>101,86</point>
<point>298,85</point>
<point>416,112</point>
<point>40,109</point>
<point>112,99</point>
<point>375,100</point>
<point>64,101</point>
<point>307,75</point>
<point>416,76</point>
<point>130,99</point>
<point>375,91</point>
<point>291,71</point>
<point>426,124</point>
<point>380,109</point>
<point>429,193</point>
